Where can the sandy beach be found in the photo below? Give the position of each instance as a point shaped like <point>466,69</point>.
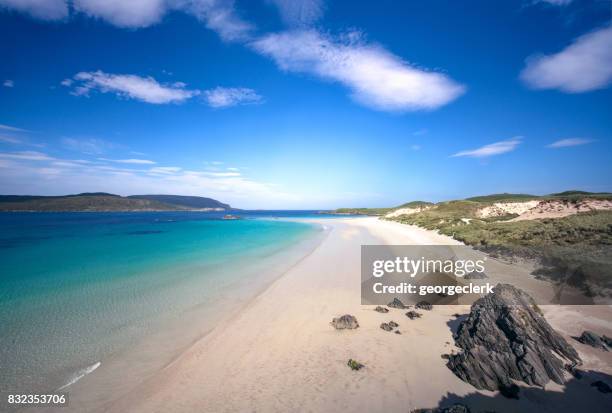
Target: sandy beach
<point>280,354</point>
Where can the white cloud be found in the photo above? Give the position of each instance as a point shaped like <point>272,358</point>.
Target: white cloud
<point>299,12</point>
<point>9,139</point>
<point>222,174</point>
<point>584,65</point>
<point>376,78</point>
<point>145,89</point>
<point>40,9</point>
<point>11,128</point>
<point>124,13</point>
<point>420,132</point>
<point>496,148</point>
<point>217,15</point>
<point>564,143</point>
<point>26,156</point>
<point>222,97</point>
<point>88,146</point>
<point>130,161</point>
<point>165,170</point>
<point>8,83</point>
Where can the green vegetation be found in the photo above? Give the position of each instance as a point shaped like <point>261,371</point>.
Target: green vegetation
<point>505,197</point>
<point>415,204</point>
<point>362,211</point>
<point>92,202</point>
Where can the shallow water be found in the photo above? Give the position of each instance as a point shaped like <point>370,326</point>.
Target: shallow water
<point>78,289</point>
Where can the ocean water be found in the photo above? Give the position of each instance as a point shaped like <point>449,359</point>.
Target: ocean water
<point>78,290</point>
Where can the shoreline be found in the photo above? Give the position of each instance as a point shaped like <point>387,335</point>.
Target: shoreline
<point>277,352</point>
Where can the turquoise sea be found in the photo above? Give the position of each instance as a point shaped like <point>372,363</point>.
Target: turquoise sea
<point>78,290</point>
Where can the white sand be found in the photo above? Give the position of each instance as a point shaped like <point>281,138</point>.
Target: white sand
<point>281,355</point>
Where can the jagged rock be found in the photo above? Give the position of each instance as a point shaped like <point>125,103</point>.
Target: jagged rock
<point>475,275</point>
<point>455,408</point>
<point>396,303</point>
<point>592,339</point>
<point>393,324</point>
<point>506,338</point>
<point>571,368</point>
<point>601,386</point>
<point>386,327</point>
<point>347,321</point>
<point>398,332</point>
<point>381,309</point>
<point>355,365</point>
<point>423,305</point>
<point>413,314</point>
<point>607,340</point>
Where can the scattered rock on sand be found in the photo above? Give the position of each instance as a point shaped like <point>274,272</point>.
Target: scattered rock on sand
<point>398,332</point>
<point>396,303</point>
<point>455,408</point>
<point>355,365</point>
<point>347,321</point>
<point>393,324</point>
<point>413,314</point>
<point>594,340</point>
<point>424,305</point>
<point>601,386</point>
<point>386,327</point>
<point>475,275</point>
<point>381,309</point>
<point>505,338</point>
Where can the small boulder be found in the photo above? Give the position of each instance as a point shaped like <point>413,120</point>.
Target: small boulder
<point>355,365</point>
<point>346,321</point>
<point>413,314</point>
<point>393,324</point>
<point>601,386</point>
<point>475,275</point>
<point>592,339</point>
<point>510,391</point>
<point>386,327</point>
<point>398,332</point>
<point>424,305</point>
<point>607,340</point>
<point>381,309</point>
<point>396,303</point>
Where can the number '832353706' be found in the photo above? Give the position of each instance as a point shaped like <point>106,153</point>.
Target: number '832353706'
<point>57,399</point>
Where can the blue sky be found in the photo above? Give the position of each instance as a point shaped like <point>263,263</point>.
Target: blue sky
<point>305,103</point>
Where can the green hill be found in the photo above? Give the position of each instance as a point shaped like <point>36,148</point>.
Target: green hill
<point>103,202</point>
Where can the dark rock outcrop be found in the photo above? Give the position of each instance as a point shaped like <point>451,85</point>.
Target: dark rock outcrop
<point>594,340</point>
<point>602,386</point>
<point>396,303</point>
<point>455,408</point>
<point>393,324</point>
<point>386,327</point>
<point>506,338</point>
<point>346,321</point>
<point>381,309</point>
<point>413,314</point>
<point>424,305</point>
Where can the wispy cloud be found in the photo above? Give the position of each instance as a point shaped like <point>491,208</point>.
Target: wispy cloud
<point>564,143</point>
<point>9,139</point>
<point>145,89</point>
<point>165,170</point>
<point>133,161</point>
<point>420,132</point>
<point>8,83</point>
<point>300,12</point>
<point>12,128</point>
<point>26,156</point>
<point>584,65</point>
<point>90,146</point>
<point>492,149</point>
<point>222,97</point>
<point>555,2</point>
<point>39,9</point>
<point>375,77</point>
